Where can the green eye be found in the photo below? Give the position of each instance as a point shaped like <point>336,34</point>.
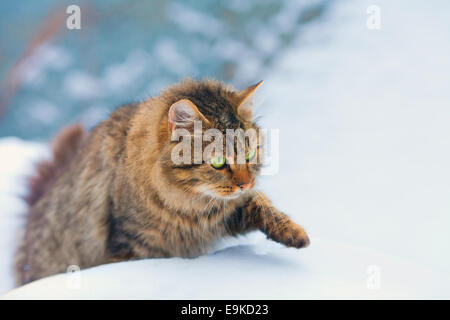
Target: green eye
<point>249,156</point>
<point>217,162</point>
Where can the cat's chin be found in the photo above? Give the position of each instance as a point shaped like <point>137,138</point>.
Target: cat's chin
<point>211,193</point>
<point>235,195</point>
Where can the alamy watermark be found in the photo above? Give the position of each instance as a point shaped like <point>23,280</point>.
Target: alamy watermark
<point>373,281</point>
<point>73,277</point>
<point>236,146</point>
<point>373,21</point>
<point>73,21</point>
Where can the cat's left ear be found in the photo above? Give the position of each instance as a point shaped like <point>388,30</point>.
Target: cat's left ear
<point>245,98</point>
<point>184,113</point>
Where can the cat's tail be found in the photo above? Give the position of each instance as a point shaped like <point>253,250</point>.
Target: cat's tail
<point>64,147</point>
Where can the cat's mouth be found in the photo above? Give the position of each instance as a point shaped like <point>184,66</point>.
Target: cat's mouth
<point>233,195</point>
<point>224,192</point>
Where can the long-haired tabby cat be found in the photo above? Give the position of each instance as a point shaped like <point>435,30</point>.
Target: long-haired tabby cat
<point>114,194</point>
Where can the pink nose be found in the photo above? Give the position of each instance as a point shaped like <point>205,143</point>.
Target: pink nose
<point>244,186</point>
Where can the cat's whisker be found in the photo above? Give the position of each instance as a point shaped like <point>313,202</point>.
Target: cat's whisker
<point>208,209</point>
<point>225,224</point>
<point>217,217</point>
<point>202,213</point>
<point>204,223</point>
<point>219,211</point>
<point>204,227</point>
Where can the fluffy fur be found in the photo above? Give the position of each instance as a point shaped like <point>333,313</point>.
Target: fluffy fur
<point>114,194</point>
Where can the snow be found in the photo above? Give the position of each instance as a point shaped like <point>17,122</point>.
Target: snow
<point>368,140</point>
<point>17,160</point>
<point>364,153</point>
<point>256,270</point>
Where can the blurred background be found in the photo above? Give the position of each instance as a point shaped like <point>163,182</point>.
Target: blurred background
<point>128,50</point>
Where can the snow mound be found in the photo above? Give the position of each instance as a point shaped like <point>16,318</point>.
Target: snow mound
<point>259,270</point>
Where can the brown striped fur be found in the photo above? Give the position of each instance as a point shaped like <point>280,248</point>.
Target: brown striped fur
<point>114,194</point>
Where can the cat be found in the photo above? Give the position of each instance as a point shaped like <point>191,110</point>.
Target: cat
<point>115,194</point>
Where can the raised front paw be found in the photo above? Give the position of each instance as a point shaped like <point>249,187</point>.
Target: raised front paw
<point>291,235</point>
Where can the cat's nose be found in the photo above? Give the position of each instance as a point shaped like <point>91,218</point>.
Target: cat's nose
<point>241,177</point>
<point>244,186</point>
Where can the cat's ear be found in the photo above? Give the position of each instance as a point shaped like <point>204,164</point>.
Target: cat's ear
<point>184,113</point>
<point>245,98</point>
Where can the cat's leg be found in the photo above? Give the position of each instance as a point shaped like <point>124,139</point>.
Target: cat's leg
<point>259,213</point>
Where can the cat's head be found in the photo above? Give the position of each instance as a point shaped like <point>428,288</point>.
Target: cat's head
<point>215,146</point>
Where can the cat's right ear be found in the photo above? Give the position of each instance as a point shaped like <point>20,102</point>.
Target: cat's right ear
<point>184,113</point>
<point>245,107</point>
